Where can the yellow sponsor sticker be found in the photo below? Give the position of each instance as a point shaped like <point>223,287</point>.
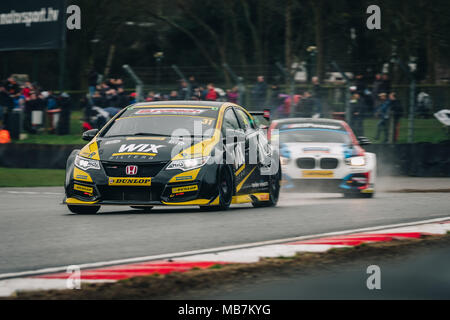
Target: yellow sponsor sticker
<point>81,175</point>
<point>185,176</point>
<point>318,174</point>
<point>185,189</point>
<point>129,181</point>
<point>83,188</point>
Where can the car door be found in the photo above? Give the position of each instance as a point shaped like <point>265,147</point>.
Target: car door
<point>234,141</point>
<point>251,150</point>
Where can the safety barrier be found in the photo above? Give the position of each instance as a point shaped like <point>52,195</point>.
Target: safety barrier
<point>418,159</point>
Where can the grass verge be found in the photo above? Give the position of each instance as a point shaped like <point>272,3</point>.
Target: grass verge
<point>171,285</point>
<point>12,177</point>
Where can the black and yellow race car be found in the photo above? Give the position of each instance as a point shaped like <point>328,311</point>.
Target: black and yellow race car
<point>180,153</point>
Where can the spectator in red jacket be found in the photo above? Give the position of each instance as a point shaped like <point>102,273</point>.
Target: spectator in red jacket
<point>212,94</point>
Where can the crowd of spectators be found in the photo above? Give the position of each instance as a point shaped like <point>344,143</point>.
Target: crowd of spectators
<point>106,98</point>
<point>28,97</point>
<point>380,101</point>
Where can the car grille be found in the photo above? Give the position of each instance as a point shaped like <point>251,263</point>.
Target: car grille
<point>113,169</point>
<point>328,163</point>
<point>129,193</point>
<point>306,163</point>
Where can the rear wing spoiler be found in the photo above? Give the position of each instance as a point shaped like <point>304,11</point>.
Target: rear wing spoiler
<point>265,114</point>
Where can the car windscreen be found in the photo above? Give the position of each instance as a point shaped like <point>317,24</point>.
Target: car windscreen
<point>165,121</point>
<point>306,135</point>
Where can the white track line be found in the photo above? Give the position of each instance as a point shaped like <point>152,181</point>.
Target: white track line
<point>34,192</point>
<point>211,250</point>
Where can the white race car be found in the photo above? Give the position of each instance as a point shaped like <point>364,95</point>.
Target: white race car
<point>323,155</point>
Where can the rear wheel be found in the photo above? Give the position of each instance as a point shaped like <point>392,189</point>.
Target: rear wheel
<point>225,186</point>
<point>83,209</point>
<point>145,209</point>
<point>274,192</point>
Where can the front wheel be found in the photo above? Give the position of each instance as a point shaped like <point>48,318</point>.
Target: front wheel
<point>83,209</point>
<point>143,208</point>
<point>225,186</point>
<point>274,192</point>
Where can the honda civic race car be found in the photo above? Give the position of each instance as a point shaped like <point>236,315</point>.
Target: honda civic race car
<point>324,155</point>
<point>179,153</point>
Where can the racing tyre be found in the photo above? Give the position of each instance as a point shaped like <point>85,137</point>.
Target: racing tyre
<point>225,185</point>
<point>83,209</point>
<point>145,209</point>
<point>359,195</point>
<point>274,192</point>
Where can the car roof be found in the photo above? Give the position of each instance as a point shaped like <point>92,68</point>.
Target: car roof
<point>186,103</point>
<point>310,120</point>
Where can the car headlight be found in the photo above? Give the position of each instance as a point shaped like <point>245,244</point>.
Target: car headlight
<point>284,161</point>
<point>187,164</point>
<point>84,163</point>
<point>358,161</point>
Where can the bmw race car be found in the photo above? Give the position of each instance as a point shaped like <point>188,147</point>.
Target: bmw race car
<point>324,155</point>
<point>179,153</point>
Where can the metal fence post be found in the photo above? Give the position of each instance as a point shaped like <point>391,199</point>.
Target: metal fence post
<point>181,75</point>
<point>239,82</point>
<point>287,76</point>
<point>138,81</point>
<point>412,101</point>
<point>348,112</point>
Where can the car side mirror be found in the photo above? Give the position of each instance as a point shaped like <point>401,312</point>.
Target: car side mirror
<point>89,135</point>
<point>363,141</point>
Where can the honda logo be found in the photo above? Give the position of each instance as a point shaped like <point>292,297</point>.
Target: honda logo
<point>131,170</point>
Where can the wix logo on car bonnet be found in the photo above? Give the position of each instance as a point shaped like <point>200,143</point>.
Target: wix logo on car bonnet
<point>136,151</point>
<point>143,147</point>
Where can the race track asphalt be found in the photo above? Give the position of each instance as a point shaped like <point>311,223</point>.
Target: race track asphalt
<point>36,231</point>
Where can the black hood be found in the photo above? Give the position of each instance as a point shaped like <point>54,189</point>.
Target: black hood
<point>142,149</point>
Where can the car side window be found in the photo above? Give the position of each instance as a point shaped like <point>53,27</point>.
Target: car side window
<point>230,121</point>
<point>244,119</point>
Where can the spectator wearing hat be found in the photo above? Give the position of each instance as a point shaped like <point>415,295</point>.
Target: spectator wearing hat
<point>259,92</point>
<point>382,113</point>
<point>317,93</point>
<point>357,108</point>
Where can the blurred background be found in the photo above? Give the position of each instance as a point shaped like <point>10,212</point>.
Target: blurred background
<point>296,58</point>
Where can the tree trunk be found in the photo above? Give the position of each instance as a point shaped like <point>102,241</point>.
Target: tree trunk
<point>237,35</point>
<point>112,50</point>
<point>318,6</point>
<point>288,39</point>
<point>255,35</point>
<point>430,46</point>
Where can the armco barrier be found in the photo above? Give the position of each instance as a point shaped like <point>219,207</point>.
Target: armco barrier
<point>419,159</point>
<point>42,156</point>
